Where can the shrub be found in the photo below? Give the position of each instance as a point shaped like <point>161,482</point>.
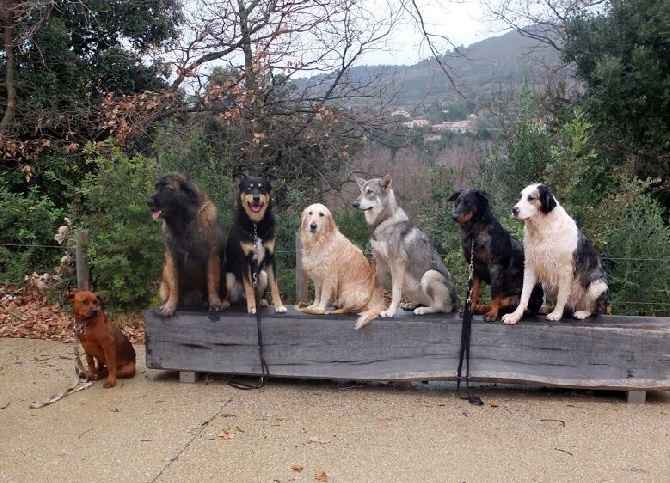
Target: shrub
<point>28,223</point>
<point>628,224</point>
<point>126,249</point>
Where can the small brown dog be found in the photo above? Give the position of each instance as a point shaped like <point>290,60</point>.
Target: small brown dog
<point>102,340</point>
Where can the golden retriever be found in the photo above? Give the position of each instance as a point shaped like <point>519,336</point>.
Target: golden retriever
<point>340,272</point>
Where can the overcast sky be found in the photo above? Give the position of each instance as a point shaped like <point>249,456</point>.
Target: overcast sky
<point>462,22</point>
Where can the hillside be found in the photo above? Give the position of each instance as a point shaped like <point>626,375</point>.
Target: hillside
<point>493,65</point>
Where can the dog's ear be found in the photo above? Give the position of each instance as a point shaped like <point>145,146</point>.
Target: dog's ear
<point>454,196</point>
<point>70,298</point>
<point>386,181</point>
<point>190,191</point>
<point>360,181</point>
<point>330,222</point>
<point>547,200</point>
<point>238,177</point>
<point>270,178</point>
<point>486,198</point>
<point>303,219</point>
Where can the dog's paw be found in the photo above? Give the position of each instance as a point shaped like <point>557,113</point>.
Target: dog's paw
<point>545,309</point>
<point>252,311</point>
<point>263,303</point>
<point>109,384</point>
<point>511,319</point>
<point>555,315</point>
<point>215,308</point>
<point>280,309</point>
<point>388,313</point>
<point>581,314</point>
<point>491,316</point>
<point>422,311</point>
<point>167,310</point>
<point>225,305</point>
<point>409,306</point>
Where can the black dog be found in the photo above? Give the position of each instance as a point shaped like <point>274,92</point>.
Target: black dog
<point>193,244</point>
<point>497,257</point>
<point>250,250</point>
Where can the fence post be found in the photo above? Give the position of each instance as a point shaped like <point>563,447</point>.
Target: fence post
<point>301,292</point>
<point>83,281</point>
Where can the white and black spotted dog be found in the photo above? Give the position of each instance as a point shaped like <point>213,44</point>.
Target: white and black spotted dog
<point>559,256</point>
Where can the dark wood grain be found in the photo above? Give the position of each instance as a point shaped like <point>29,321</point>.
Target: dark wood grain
<point>615,353</point>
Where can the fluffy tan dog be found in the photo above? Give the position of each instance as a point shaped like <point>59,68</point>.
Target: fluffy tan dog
<point>341,274</point>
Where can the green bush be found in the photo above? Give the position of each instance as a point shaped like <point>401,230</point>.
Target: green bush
<point>126,249</point>
<point>28,223</point>
<point>629,225</point>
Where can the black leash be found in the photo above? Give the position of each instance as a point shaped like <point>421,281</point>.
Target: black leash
<point>466,333</point>
<point>265,370</point>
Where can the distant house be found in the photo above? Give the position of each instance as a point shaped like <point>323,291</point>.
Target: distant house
<point>416,123</point>
<point>400,113</point>
<point>458,127</point>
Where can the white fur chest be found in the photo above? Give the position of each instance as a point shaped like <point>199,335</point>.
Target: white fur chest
<point>549,246</point>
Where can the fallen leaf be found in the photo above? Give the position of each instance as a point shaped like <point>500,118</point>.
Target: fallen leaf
<point>319,441</point>
<point>320,475</point>
<point>226,434</point>
<point>493,405</point>
<point>297,467</point>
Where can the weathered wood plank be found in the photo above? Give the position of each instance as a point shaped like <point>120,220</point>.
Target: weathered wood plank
<point>614,353</point>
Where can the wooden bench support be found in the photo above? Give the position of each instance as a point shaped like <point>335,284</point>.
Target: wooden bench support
<point>629,354</point>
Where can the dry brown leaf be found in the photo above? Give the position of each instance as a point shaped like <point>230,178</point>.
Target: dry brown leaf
<point>318,441</point>
<point>297,467</point>
<point>226,434</point>
<point>320,475</point>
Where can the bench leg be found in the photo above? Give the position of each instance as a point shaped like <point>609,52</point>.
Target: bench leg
<point>190,377</point>
<point>636,397</point>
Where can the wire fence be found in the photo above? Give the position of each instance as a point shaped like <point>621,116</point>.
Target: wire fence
<point>629,294</point>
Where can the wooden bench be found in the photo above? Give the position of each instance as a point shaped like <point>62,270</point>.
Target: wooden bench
<point>629,354</point>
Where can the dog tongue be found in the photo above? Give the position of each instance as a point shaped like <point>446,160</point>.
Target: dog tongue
<point>156,214</point>
<point>255,209</point>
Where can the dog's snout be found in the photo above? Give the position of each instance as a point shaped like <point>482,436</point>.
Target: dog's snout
<point>356,204</point>
<point>515,210</point>
<point>454,216</point>
<point>313,226</point>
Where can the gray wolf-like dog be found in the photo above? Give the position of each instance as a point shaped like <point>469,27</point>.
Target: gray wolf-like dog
<point>403,250</point>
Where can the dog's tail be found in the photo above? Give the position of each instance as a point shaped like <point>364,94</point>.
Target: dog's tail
<point>374,307</point>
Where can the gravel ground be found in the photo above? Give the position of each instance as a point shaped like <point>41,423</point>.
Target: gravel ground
<point>154,428</point>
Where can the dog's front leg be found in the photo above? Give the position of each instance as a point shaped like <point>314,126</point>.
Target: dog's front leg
<point>274,289</point>
<point>109,349</point>
<point>397,281</point>
<point>214,279</point>
<point>564,280</point>
<point>529,279</point>
<point>90,367</point>
<point>325,296</point>
<point>249,293</point>
<point>317,293</point>
<point>169,289</point>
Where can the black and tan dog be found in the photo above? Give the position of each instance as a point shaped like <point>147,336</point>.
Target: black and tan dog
<point>102,340</point>
<point>193,244</point>
<point>497,256</point>
<point>250,249</point>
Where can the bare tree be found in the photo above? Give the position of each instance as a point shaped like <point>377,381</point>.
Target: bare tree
<point>277,74</point>
<point>541,20</point>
